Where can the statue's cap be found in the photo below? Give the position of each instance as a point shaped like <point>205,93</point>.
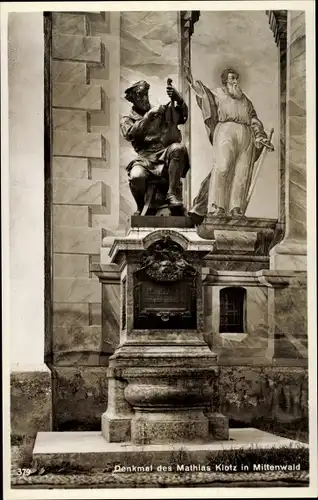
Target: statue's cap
<point>140,85</point>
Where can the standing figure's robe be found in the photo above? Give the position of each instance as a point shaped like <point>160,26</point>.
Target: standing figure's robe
<point>233,127</point>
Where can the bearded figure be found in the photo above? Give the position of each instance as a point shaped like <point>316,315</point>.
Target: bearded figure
<point>237,136</point>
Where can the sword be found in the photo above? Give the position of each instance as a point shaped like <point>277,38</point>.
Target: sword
<point>257,171</point>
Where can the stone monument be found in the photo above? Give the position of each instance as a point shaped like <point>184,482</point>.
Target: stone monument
<point>161,377</point>
<point>163,380</point>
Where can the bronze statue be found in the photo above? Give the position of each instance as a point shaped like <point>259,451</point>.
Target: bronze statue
<point>154,134</point>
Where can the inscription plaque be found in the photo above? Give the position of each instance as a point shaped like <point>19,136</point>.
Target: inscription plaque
<point>165,306</point>
<point>165,288</point>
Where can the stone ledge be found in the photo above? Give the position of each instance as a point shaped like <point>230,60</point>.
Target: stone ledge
<point>107,273</point>
<point>141,238</point>
<point>290,362</point>
<point>153,221</point>
<point>265,278</point>
<point>90,449</point>
<point>80,359</point>
<point>210,223</point>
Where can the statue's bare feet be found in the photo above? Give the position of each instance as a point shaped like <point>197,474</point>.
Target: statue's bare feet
<point>138,212</point>
<point>237,212</point>
<point>218,212</point>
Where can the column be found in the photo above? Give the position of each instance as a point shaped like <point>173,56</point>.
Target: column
<point>291,253</point>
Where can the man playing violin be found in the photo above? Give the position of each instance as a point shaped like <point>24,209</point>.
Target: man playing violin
<point>156,138</point>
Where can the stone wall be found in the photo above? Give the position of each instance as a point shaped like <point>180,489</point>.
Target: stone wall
<point>85,80</point>
<point>276,397</point>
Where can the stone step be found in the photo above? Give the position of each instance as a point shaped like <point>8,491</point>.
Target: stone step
<point>90,449</point>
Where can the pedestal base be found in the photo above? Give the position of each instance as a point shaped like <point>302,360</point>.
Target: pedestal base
<point>163,394</point>
<point>167,427</point>
<point>116,429</point>
<point>290,255</point>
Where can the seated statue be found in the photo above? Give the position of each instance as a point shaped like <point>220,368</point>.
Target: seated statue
<point>156,138</point>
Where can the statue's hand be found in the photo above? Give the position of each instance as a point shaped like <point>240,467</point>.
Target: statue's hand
<point>174,94</point>
<point>187,73</point>
<point>265,142</point>
<point>155,112</point>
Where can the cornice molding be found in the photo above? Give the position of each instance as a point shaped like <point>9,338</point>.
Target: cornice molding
<point>278,22</point>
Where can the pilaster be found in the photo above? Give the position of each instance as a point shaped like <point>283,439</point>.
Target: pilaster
<point>291,253</point>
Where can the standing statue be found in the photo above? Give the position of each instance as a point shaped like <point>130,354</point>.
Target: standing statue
<point>156,138</point>
<point>238,139</point>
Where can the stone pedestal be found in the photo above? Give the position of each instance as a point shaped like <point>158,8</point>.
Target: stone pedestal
<point>239,244</point>
<point>161,376</point>
<point>272,301</point>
